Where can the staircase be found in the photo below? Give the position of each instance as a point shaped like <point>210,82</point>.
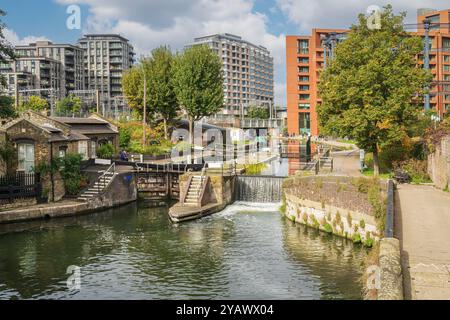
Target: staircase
<point>194,191</point>
<point>100,185</point>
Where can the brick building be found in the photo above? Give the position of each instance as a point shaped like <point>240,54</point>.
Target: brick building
<point>305,59</point>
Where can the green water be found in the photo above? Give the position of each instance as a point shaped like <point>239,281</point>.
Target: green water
<point>134,252</point>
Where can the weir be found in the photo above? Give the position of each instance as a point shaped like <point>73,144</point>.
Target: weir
<point>258,188</point>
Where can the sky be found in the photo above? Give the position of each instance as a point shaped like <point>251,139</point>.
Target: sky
<point>151,23</point>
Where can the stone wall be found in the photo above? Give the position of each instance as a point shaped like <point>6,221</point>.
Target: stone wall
<point>338,205</point>
<point>354,225</point>
<point>439,164</point>
<point>391,280</point>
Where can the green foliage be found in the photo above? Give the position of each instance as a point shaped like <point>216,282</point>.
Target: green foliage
<point>6,50</point>
<point>368,86</point>
<point>198,83</point>
<point>356,238</point>
<point>349,219</point>
<point>283,207</point>
<point>369,241</point>
<point>7,107</point>
<point>256,112</point>
<point>255,168</point>
<point>106,151</point>
<point>315,223</point>
<point>362,224</point>
<point>71,173</point>
<point>34,103</point>
<point>417,169</point>
<point>69,105</point>
<point>70,169</point>
<point>7,154</point>
<point>328,228</point>
<point>161,98</point>
<point>124,138</point>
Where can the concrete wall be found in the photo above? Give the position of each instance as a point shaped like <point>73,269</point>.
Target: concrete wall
<point>439,164</point>
<point>391,281</point>
<point>339,221</point>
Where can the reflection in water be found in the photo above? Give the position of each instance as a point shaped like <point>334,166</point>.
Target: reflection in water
<point>134,252</point>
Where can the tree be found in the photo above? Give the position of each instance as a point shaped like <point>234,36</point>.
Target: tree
<point>198,83</point>
<point>7,107</point>
<point>256,112</point>
<point>34,103</point>
<point>368,87</point>
<point>69,105</point>
<point>161,94</point>
<point>132,84</point>
<point>6,50</point>
<point>161,98</point>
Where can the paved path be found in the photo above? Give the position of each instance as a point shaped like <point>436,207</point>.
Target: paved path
<point>346,163</point>
<point>422,224</point>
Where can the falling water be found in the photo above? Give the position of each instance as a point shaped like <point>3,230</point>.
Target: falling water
<point>258,188</point>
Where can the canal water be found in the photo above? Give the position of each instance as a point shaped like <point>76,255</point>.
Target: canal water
<point>248,251</point>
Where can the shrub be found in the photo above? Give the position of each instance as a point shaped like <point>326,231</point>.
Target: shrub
<point>124,138</point>
<point>362,224</point>
<point>356,238</point>
<point>328,228</point>
<point>417,169</point>
<point>349,219</point>
<point>106,151</point>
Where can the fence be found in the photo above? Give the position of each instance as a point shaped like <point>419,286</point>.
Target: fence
<point>20,186</point>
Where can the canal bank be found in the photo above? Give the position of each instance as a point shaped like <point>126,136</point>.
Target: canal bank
<point>122,190</point>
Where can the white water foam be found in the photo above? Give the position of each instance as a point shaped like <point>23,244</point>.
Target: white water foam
<point>242,206</point>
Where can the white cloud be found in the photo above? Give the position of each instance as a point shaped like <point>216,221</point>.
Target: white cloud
<point>12,37</point>
<point>341,14</point>
<point>149,24</point>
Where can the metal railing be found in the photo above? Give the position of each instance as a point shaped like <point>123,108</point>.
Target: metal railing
<point>20,186</point>
<point>101,181</point>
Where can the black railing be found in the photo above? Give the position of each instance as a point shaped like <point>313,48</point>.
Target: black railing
<point>389,227</point>
<point>20,186</point>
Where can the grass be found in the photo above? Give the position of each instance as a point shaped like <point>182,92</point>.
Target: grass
<point>383,175</point>
<point>346,141</point>
<point>254,169</point>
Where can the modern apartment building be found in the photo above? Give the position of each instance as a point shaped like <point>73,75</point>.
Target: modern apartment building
<point>305,58</point>
<point>44,65</point>
<point>106,57</point>
<point>247,71</point>
<point>34,75</point>
<point>439,57</point>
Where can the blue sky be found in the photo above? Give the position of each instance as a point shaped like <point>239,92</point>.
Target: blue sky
<point>150,23</point>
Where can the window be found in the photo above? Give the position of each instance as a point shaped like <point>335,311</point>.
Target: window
<point>83,149</point>
<point>62,152</point>
<point>304,106</point>
<point>304,122</point>
<point>302,60</point>
<point>303,96</point>
<point>25,157</point>
<point>93,149</point>
<point>303,88</point>
<point>303,69</point>
<point>446,67</point>
<point>446,58</point>
<point>303,79</point>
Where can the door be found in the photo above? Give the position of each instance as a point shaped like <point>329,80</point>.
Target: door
<point>26,157</point>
